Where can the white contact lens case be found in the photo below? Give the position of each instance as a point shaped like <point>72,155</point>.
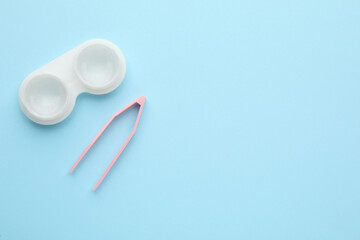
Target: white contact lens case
<point>48,95</point>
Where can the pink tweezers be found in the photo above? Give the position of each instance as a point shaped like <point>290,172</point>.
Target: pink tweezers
<point>140,101</point>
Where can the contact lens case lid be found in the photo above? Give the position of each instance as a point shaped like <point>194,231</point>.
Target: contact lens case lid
<point>48,95</point>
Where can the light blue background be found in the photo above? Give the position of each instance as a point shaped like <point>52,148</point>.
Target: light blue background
<point>250,130</point>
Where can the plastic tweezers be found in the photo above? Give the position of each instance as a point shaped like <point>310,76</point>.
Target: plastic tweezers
<point>141,102</point>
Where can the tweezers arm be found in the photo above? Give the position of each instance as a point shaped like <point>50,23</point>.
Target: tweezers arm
<point>121,149</point>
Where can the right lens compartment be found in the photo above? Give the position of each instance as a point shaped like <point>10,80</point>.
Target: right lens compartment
<point>98,66</point>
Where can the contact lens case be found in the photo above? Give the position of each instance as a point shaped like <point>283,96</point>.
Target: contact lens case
<point>48,95</point>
